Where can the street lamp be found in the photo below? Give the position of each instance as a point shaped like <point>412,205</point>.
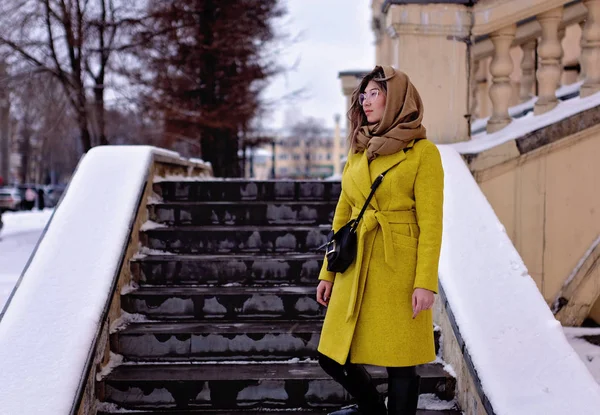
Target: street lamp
<point>336,145</point>
<point>273,142</point>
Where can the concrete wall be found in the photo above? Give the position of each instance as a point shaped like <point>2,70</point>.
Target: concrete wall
<point>467,394</point>
<point>549,203</point>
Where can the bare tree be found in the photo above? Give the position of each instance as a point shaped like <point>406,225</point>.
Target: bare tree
<point>41,125</point>
<point>205,63</point>
<point>73,41</point>
<point>4,123</point>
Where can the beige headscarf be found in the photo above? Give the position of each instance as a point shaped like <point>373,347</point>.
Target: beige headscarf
<point>401,122</point>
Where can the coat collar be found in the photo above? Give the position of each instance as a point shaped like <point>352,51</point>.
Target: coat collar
<point>359,171</point>
<point>383,163</point>
<point>363,174</point>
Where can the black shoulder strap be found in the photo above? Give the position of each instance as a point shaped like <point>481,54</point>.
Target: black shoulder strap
<point>374,187</point>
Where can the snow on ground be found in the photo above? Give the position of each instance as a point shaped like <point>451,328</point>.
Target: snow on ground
<point>588,352</point>
<point>18,239</point>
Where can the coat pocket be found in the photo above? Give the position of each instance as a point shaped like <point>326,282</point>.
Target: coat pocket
<point>404,240</point>
<point>403,262</point>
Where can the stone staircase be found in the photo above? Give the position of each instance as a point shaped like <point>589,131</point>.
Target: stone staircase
<point>229,323</point>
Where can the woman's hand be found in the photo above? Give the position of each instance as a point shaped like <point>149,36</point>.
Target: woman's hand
<point>324,292</point>
<point>422,299</point>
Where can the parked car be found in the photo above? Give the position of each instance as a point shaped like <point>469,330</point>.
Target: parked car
<point>10,198</point>
<point>53,193</point>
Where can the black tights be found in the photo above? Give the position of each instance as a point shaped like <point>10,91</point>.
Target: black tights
<point>403,385</point>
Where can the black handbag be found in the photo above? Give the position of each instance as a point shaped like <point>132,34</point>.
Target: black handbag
<point>341,248</point>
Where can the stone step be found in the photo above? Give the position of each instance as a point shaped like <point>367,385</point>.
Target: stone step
<point>244,269</point>
<point>252,340</point>
<point>221,340</point>
<point>301,411</point>
<point>244,386</point>
<point>292,302</point>
<point>292,411</point>
<point>245,213</point>
<point>240,189</point>
<point>242,239</point>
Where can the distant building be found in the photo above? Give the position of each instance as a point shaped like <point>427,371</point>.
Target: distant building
<point>298,157</point>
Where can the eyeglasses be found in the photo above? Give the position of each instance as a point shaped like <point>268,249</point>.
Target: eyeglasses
<point>371,96</point>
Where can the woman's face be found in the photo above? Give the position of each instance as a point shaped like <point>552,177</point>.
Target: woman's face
<point>374,102</point>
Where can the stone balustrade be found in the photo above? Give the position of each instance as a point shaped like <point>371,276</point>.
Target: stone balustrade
<point>479,64</point>
<point>501,68</point>
<point>475,61</point>
<point>540,39</point>
<point>590,54</point>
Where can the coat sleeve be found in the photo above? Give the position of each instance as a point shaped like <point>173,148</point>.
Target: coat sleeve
<point>343,213</point>
<point>429,200</point>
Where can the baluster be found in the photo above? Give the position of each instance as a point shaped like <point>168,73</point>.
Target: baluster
<point>528,70</point>
<point>549,51</point>
<point>501,68</point>
<point>590,54</point>
<point>582,46</point>
<point>561,35</point>
<point>483,86</point>
<point>475,90</point>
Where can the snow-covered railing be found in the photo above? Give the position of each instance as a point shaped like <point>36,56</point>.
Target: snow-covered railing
<point>53,325</point>
<point>538,28</point>
<point>563,93</point>
<point>521,127</point>
<point>515,350</point>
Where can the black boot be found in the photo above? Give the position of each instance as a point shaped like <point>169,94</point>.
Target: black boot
<point>403,390</point>
<point>357,381</point>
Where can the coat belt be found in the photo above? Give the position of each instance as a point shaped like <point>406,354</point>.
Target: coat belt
<point>371,220</point>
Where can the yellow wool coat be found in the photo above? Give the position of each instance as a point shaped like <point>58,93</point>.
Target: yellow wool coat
<point>369,316</point>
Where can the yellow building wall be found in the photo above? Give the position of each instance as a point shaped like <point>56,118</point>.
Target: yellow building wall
<point>549,203</point>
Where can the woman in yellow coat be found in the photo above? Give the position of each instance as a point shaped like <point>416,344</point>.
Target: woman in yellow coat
<point>379,309</point>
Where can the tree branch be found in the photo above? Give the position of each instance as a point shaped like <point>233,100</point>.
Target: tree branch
<point>59,69</point>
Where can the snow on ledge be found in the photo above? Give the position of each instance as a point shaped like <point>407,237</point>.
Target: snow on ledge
<point>182,178</point>
<point>149,225</point>
<point>114,361</point>
<point>480,124</point>
<point>522,357</point>
<point>589,353</point>
<point>526,124</point>
<point>516,111</point>
<point>48,327</point>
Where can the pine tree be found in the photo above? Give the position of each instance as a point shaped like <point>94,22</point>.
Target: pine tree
<point>203,65</point>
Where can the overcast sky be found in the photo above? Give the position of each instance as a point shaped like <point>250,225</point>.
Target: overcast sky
<point>334,36</point>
